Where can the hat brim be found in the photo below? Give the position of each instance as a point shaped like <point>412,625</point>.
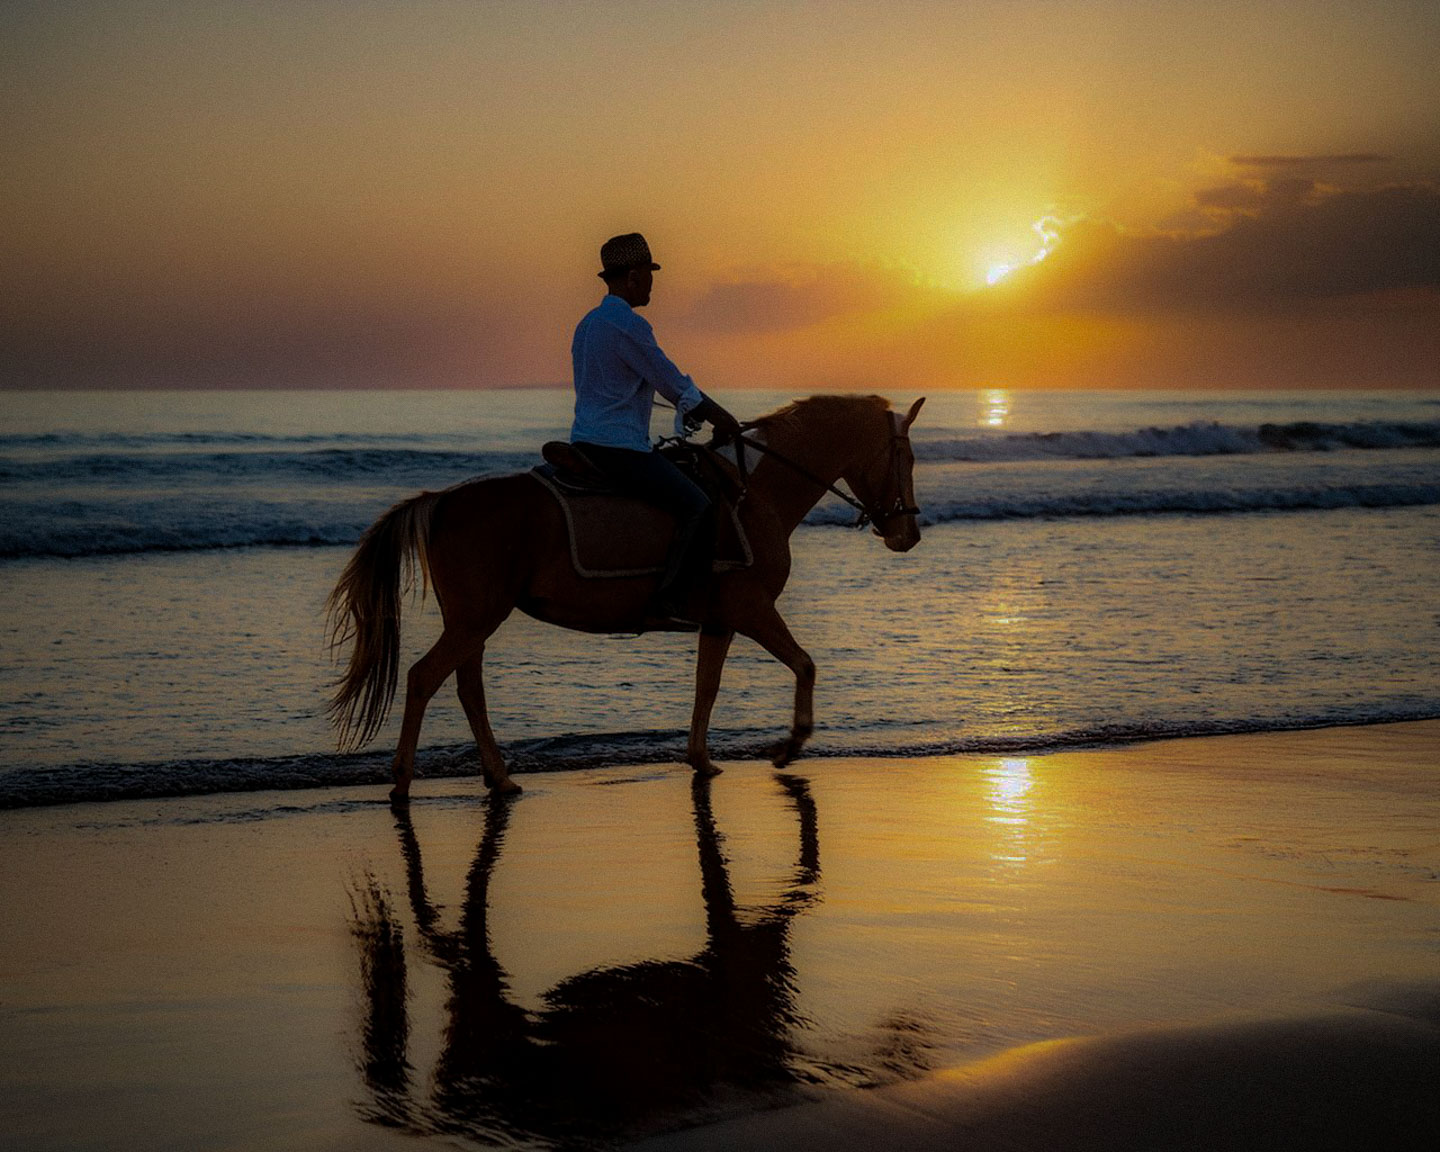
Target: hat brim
<point>627,268</point>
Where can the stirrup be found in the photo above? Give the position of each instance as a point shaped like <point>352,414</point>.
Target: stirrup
<point>672,610</point>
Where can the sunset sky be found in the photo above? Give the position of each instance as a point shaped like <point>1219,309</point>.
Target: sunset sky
<point>367,194</point>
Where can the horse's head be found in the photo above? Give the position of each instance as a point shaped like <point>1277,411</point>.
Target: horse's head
<point>884,482</point>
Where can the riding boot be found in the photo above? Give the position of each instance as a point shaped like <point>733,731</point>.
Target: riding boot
<point>650,477</point>
<point>687,568</point>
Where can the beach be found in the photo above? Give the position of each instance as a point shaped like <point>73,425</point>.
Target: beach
<point>1117,827</point>
<point>1173,938</point>
<point>1053,619</point>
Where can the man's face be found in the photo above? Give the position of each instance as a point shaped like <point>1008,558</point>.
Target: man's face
<point>641,282</point>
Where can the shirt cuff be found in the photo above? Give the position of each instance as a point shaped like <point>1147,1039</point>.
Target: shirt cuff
<point>687,402</point>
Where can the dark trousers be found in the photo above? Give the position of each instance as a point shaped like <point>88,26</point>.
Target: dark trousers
<point>648,476</point>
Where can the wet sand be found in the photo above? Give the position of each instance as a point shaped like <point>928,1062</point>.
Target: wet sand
<point>1360,1079</point>
<point>1227,942</point>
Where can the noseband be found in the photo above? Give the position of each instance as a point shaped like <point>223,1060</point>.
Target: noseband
<point>900,508</point>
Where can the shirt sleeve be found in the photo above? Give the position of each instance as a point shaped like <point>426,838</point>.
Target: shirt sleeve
<point>643,354</point>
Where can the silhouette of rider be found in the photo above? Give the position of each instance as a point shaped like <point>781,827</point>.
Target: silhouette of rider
<point>618,369</point>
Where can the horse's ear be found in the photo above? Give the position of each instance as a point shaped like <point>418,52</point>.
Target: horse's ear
<point>910,416</point>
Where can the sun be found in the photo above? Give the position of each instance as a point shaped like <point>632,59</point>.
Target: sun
<point>1047,228</point>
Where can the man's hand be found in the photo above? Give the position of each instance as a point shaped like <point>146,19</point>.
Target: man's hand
<point>727,428</point>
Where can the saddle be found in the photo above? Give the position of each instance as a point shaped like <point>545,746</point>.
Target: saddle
<point>612,534</point>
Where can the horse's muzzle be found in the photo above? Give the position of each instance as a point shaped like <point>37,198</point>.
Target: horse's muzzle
<point>902,538</point>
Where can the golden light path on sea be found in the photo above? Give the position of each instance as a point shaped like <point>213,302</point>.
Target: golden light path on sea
<point>994,407</point>
<point>1008,783</point>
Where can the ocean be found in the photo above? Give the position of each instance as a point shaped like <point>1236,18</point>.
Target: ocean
<point>1096,568</point>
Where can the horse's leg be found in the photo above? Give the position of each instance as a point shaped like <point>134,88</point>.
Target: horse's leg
<point>768,630</point>
<point>469,681</point>
<point>711,662</point>
<point>423,681</point>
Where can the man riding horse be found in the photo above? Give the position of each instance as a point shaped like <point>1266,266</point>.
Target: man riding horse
<point>499,543</point>
<point>618,369</point>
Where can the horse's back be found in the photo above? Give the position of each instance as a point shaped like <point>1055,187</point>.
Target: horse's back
<point>502,497</point>
<point>500,542</point>
<point>494,521</point>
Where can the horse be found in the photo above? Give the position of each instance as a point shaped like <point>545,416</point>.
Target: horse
<point>498,543</point>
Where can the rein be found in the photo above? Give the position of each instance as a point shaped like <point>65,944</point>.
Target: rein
<point>867,513</point>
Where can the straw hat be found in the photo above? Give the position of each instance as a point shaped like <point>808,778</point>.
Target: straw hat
<point>621,253</point>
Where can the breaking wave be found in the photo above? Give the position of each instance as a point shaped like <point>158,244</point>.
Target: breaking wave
<point>1158,501</point>
<point>420,467</point>
<point>85,783</point>
<point>1196,439</point>
<point>65,497</point>
<point>59,458</point>
<point>77,528</point>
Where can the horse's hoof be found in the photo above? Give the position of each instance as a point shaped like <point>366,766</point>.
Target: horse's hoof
<point>783,753</point>
<point>706,769</point>
<point>399,799</point>
<point>506,787</point>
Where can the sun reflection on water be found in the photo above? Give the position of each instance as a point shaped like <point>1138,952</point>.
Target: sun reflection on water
<point>994,407</point>
<point>1009,782</point>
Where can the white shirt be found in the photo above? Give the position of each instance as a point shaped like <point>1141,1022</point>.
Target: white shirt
<point>618,370</point>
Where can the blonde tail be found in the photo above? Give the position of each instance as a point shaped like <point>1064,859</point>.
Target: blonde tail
<point>365,608</point>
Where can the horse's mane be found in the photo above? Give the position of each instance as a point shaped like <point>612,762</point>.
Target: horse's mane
<point>811,410</point>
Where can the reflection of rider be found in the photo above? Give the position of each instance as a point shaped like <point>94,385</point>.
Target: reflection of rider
<point>618,369</point>
<point>612,1047</point>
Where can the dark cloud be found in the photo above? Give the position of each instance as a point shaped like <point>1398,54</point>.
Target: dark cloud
<point>1255,197</point>
<point>1232,197</point>
<point>1277,244</point>
<point>796,298</point>
<point>1301,161</point>
<point>240,340</point>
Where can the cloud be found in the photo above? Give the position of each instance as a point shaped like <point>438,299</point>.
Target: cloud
<point>1256,196</point>
<point>1304,161</point>
<point>246,339</point>
<point>1286,281</point>
<point>1271,244</point>
<point>795,297</point>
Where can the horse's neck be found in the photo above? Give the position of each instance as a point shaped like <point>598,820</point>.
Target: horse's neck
<point>785,488</point>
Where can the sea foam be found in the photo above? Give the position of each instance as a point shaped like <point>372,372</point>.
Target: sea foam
<point>104,782</point>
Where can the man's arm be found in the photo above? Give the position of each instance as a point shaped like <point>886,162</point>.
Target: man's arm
<point>636,346</point>
<point>726,427</point>
<point>644,355</point>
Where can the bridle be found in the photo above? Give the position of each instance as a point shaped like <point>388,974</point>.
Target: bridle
<point>868,513</point>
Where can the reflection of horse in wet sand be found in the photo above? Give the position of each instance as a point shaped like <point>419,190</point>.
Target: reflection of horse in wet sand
<point>496,544</point>
<point>614,1048</point>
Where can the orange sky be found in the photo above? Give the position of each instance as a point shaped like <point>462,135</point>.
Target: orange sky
<point>413,194</point>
